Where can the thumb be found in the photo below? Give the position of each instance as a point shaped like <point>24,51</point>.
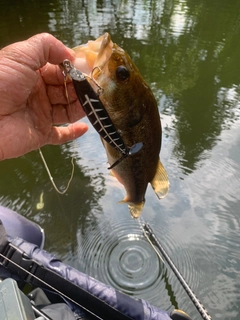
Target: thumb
<point>61,135</point>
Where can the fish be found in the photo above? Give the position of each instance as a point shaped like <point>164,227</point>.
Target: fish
<point>133,110</point>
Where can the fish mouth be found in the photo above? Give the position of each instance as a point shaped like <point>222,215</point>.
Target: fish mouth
<point>96,53</point>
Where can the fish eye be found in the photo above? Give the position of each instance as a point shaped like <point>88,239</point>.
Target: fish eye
<point>122,73</point>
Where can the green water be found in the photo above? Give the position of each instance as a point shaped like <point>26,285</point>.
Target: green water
<point>188,52</point>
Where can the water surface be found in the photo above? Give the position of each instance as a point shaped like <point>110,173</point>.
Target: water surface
<point>188,52</point>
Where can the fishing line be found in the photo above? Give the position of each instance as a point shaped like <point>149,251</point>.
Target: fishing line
<point>72,160</point>
<point>153,240</point>
<point>50,287</point>
<point>51,177</point>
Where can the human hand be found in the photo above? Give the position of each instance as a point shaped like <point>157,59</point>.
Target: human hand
<point>32,97</point>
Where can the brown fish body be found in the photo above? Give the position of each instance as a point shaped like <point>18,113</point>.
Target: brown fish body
<point>134,112</point>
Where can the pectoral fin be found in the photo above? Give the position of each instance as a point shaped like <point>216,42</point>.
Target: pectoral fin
<point>160,182</point>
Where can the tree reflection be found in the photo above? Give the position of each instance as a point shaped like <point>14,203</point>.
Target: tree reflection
<point>22,19</point>
<point>200,115</point>
<point>189,51</point>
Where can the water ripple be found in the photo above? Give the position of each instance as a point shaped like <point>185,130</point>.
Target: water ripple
<point>119,255</point>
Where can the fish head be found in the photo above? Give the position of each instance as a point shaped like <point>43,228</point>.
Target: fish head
<point>125,93</point>
<point>93,53</point>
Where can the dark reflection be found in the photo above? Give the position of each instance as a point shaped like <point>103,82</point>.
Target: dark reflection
<point>170,290</point>
<point>26,188</point>
<point>22,19</point>
<point>200,116</point>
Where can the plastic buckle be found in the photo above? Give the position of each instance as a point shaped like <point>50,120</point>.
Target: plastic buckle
<point>179,315</point>
<point>18,262</point>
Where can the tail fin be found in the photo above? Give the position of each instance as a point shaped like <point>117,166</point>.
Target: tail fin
<point>134,208</point>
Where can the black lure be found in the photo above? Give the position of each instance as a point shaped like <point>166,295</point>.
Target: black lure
<point>97,113</point>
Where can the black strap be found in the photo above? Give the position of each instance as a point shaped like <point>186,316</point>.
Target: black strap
<point>34,273</point>
<point>3,237</point>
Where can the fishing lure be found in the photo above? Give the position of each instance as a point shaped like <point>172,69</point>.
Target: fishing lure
<point>96,112</point>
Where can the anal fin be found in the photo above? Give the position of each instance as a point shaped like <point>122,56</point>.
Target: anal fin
<point>160,182</point>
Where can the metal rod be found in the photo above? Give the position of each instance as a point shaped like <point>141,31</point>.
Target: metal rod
<point>40,313</point>
<point>203,312</point>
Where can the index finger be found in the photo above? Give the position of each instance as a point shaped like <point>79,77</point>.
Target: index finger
<point>38,50</point>
<point>52,75</point>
